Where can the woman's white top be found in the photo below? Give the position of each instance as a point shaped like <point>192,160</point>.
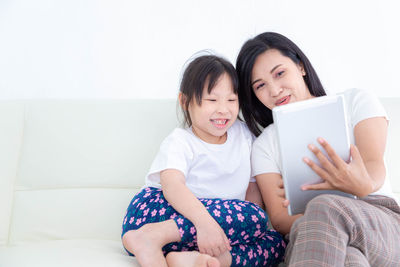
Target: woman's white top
<point>210,170</point>
<point>360,105</point>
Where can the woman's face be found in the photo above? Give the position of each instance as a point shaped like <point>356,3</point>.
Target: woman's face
<point>277,80</point>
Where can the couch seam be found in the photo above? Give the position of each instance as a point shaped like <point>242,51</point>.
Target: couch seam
<point>16,173</point>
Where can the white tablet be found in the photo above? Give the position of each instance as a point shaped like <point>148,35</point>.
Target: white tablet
<point>300,124</point>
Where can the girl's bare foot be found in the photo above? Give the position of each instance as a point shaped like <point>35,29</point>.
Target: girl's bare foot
<point>191,259</point>
<point>146,242</point>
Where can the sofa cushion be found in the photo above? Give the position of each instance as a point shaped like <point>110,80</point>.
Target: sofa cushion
<point>85,253</point>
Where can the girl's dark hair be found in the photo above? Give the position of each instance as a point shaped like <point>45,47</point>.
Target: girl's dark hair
<point>204,71</point>
<point>254,112</point>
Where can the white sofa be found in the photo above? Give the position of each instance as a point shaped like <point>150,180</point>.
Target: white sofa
<point>68,169</point>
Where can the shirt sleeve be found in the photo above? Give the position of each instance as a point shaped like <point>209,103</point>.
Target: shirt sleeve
<point>263,154</point>
<point>174,153</point>
<point>363,105</point>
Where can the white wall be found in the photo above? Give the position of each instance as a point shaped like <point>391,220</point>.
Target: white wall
<point>136,49</point>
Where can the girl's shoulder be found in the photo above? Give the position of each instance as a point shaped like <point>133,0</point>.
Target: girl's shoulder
<point>240,129</point>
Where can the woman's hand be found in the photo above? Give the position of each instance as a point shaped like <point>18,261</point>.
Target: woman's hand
<point>337,174</point>
<point>211,239</point>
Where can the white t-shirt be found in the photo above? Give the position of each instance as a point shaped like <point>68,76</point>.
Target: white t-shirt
<point>210,170</point>
<point>360,105</point>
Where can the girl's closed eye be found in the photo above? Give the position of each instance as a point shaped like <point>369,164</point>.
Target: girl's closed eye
<point>233,99</point>
<point>210,99</point>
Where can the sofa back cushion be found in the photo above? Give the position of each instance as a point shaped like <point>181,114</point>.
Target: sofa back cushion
<point>11,127</point>
<point>81,162</point>
<point>392,153</point>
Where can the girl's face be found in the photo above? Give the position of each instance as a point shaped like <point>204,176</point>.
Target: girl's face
<point>217,112</point>
<point>277,80</point>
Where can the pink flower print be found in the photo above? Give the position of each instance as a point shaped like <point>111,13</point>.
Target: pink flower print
<point>134,202</point>
<point>266,254</point>
<point>209,202</point>
<point>270,238</point>
<point>125,220</point>
<point>244,262</point>
<point>162,211</point>
<point>218,207</point>
<point>144,219</point>
<point>161,201</point>
<point>283,244</point>
<point>229,219</point>
<point>258,226</point>
<point>259,250</point>
<point>237,260</point>
<point>138,221</point>
<point>254,218</point>
<point>240,217</point>
<point>250,254</point>
<point>229,211</point>
<point>226,206</point>
<point>131,220</point>
<point>180,221</point>
<point>238,208</point>
<point>146,212</point>
<point>261,214</point>
<point>257,233</point>
<point>174,247</point>
<point>272,250</point>
<point>181,232</point>
<point>144,205</point>
<point>242,233</point>
<point>242,247</point>
<point>276,255</point>
<point>173,216</point>
<point>192,230</point>
<point>217,201</point>
<point>217,213</point>
<point>153,213</point>
<point>151,200</point>
<point>146,195</point>
<point>245,237</point>
<point>231,231</point>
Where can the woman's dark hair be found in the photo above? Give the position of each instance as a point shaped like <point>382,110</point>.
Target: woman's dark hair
<point>254,112</point>
<point>204,71</point>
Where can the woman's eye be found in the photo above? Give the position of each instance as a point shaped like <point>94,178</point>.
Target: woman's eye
<point>211,99</point>
<point>233,99</point>
<point>280,73</point>
<point>260,86</point>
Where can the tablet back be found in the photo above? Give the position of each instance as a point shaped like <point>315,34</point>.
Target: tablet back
<point>300,124</point>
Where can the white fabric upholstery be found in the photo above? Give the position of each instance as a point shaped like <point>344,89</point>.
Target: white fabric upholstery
<point>68,169</point>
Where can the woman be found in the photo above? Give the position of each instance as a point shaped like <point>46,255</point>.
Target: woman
<point>334,230</point>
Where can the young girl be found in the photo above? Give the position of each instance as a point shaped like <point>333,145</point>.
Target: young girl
<point>192,207</point>
<point>334,230</point>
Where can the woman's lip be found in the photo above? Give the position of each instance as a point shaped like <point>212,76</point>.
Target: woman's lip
<point>283,101</point>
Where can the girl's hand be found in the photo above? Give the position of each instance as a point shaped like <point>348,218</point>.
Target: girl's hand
<point>350,177</point>
<point>211,239</point>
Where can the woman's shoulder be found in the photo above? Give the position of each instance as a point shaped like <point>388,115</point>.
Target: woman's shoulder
<point>267,135</point>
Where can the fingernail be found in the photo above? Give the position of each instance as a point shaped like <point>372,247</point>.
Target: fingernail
<point>321,140</point>
<point>311,146</point>
<point>306,160</point>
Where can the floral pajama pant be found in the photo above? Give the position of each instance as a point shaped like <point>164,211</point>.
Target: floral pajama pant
<point>245,225</point>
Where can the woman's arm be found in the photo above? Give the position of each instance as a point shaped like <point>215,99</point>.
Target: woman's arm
<point>253,195</point>
<point>271,187</point>
<point>366,173</point>
<point>210,236</point>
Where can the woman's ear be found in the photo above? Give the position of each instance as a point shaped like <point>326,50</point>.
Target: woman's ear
<point>301,67</point>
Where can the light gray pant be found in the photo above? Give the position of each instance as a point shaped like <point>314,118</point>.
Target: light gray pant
<point>340,231</point>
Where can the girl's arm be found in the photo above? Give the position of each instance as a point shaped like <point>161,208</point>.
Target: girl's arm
<point>253,195</point>
<point>211,238</point>
<point>271,187</point>
<point>366,173</point>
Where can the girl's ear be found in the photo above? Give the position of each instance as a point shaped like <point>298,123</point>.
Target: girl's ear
<point>182,100</point>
